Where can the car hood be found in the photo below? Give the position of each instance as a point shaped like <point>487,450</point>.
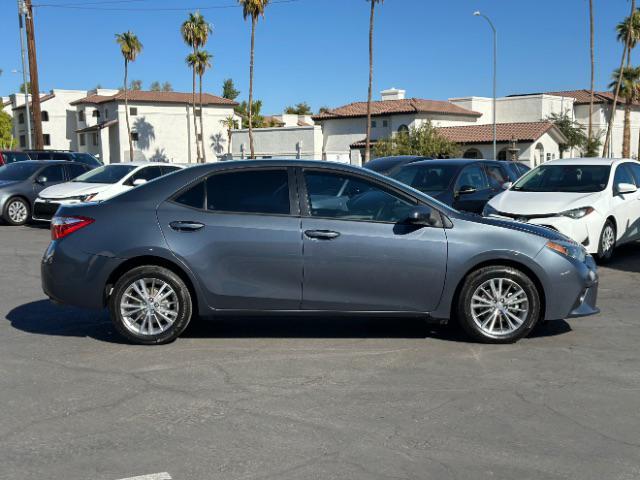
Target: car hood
<point>73,189</point>
<point>540,231</point>
<point>540,203</point>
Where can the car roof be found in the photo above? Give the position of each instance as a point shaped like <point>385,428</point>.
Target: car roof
<point>45,163</point>
<point>586,161</point>
<point>453,161</point>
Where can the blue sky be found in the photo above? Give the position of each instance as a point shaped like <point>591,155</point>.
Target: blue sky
<point>316,50</point>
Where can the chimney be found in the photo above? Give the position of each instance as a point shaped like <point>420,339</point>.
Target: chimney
<point>392,94</point>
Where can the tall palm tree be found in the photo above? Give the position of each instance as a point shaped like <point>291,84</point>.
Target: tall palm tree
<point>630,27</point>
<point>192,61</point>
<point>367,148</point>
<point>230,124</point>
<point>130,47</point>
<point>630,91</point>
<point>253,9</point>
<point>593,72</point>
<point>195,32</point>
<point>203,63</point>
<point>616,93</point>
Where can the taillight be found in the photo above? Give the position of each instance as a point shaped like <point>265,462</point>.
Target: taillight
<point>63,226</point>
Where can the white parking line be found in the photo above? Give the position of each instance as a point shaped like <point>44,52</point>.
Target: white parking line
<point>153,476</point>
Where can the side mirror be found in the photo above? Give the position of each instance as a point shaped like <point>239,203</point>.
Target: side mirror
<point>421,215</point>
<point>507,185</point>
<point>139,181</point>
<point>41,179</point>
<point>622,188</point>
<point>466,190</point>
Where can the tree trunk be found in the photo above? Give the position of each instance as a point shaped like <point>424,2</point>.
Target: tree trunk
<point>204,150</point>
<point>229,141</point>
<point>612,115</point>
<point>626,136</point>
<point>367,148</point>
<point>593,70</point>
<point>195,117</point>
<point>126,108</point>
<point>253,38</point>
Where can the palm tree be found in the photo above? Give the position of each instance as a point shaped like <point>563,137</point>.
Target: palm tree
<point>630,91</point>
<point>593,71</point>
<point>616,93</point>
<point>229,123</point>
<point>195,32</point>
<point>130,47</point>
<point>253,9</point>
<point>367,148</point>
<point>630,27</point>
<point>203,63</point>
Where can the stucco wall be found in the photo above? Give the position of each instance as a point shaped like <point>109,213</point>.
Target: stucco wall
<point>279,142</point>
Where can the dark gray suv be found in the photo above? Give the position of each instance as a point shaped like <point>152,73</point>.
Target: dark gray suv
<point>307,237</point>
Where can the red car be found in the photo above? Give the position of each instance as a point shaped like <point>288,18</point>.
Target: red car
<point>8,156</point>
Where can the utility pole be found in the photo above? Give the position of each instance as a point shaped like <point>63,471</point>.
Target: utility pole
<point>21,13</point>
<point>495,76</point>
<point>33,73</point>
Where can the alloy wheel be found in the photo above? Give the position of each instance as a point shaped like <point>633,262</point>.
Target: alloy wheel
<point>149,306</point>
<point>17,212</point>
<point>499,306</point>
<point>608,239</point>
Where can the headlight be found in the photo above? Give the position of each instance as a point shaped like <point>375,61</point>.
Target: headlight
<point>87,198</point>
<point>488,210</point>
<point>568,249</point>
<point>577,212</point>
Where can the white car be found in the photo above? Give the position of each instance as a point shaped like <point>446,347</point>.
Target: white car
<point>97,185</point>
<point>594,201</point>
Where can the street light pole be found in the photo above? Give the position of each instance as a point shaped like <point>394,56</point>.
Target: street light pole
<point>495,75</point>
<point>21,12</point>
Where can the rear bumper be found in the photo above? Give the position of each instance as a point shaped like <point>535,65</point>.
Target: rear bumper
<point>75,278</point>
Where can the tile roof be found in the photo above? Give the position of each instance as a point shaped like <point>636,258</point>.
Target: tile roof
<point>155,97</point>
<point>505,132</point>
<point>583,96</point>
<point>386,107</point>
<point>43,99</point>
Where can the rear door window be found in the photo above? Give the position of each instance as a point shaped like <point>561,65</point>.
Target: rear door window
<point>497,177</point>
<point>53,173</point>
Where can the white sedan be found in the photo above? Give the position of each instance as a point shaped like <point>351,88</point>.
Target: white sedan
<point>97,185</point>
<point>594,201</point>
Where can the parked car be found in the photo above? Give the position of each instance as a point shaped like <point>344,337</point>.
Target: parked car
<point>20,183</point>
<point>98,185</point>
<point>307,237</point>
<point>10,156</point>
<point>594,201</point>
<point>464,184</point>
<point>387,165</point>
<point>69,156</point>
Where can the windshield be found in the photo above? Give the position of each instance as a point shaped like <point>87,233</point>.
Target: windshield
<point>18,171</point>
<point>426,178</point>
<point>565,178</point>
<point>106,174</point>
<point>87,159</point>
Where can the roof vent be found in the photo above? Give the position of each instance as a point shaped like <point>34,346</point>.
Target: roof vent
<point>392,94</point>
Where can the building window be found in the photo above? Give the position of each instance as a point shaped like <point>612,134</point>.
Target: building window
<point>21,118</point>
<point>134,136</point>
<point>47,139</point>
<point>106,113</point>
<point>45,116</point>
<point>23,141</point>
<point>96,114</point>
<point>502,154</point>
<point>82,140</point>
<point>133,111</point>
<point>403,129</point>
<point>94,137</point>
<point>373,124</point>
<point>385,123</point>
<point>472,153</point>
<point>81,115</point>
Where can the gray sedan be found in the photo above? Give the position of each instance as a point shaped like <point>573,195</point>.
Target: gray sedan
<point>20,183</point>
<point>307,238</point>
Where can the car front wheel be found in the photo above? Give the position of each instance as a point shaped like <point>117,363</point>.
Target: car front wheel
<point>16,211</point>
<point>150,305</point>
<point>607,241</point>
<point>498,304</point>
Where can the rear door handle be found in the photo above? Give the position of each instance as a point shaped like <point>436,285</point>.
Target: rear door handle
<point>322,234</point>
<point>186,226</point>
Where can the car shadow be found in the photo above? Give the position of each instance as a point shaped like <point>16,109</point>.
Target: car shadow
<point>625,258</point>
<point>43,317</point>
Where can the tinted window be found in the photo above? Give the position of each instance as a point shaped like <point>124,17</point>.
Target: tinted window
<point>19,170</point>
<point>635,170</point>
<point>87,159</point>
<point>496,176</point>
<point>75,170</point>
<point>61,156</point>
<point>262,191</point>
<point>333,195</point>
<point>166,170</point>
<point>565,178</point>
<point>147,173</point>
<point>194,197</point>
<point>54,173</point>
<point>106,174</point>
<point>427,178</point>
<point>472,176</point>
<point>623,175</point>
<point>10,157</point>
<point>40,155</point>
<point>385,164</point>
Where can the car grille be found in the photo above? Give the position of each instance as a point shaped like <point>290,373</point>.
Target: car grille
<point>45,211</point>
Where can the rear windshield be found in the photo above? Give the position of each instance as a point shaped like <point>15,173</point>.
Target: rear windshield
<point>426,178</point>
<point>87,159</point>
<point>106,174</point>
<point>10,157</point>
<point>565,178</point>
<point>18,171</point>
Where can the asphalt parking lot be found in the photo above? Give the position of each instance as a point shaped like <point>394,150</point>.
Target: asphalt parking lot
<point>354,398</point>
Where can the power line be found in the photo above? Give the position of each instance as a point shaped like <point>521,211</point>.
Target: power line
<point>86,6</point>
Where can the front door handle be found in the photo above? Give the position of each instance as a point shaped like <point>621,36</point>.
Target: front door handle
<point>322,234</point>
<point>186,226</point>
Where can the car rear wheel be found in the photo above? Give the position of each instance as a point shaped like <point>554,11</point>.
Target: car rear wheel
<point>16,211</point>
<point>498,304</point>
<point>607,241</point>
<point>150,305</point>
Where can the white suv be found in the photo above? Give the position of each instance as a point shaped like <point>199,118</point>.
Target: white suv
<point>594,201</point>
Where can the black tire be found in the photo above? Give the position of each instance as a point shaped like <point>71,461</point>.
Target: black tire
<point>20,203</point>
<point>183,300</point>
<point>605,254</point>
<point>511,276</point>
